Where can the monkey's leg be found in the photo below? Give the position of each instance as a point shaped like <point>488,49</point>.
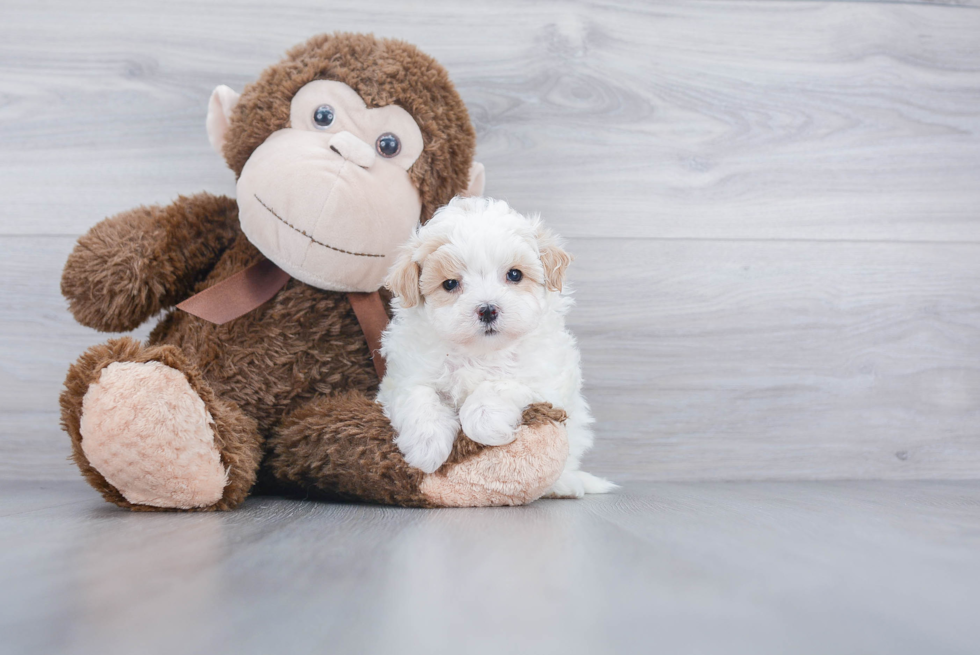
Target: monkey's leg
<point>343,447</point>
<point>150,434</point>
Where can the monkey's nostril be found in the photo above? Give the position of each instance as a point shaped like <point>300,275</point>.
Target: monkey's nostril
<point>488,313</point>
<point>352,149</point>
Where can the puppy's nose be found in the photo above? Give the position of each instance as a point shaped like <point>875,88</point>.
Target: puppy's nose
<point>352,149</point>
<point>488,313</point>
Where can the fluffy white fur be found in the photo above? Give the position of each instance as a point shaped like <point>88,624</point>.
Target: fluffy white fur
<point>447,368</point>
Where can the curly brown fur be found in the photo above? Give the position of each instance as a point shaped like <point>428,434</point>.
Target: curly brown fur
<point>303,343</point>
<point>235,434</point>
<point>383,72</point>
<point>343,447</point>
<point>129,267</point>
<point>541,413</point>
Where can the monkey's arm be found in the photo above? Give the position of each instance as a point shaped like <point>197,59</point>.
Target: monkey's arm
<point>343,447</point>
<point>134,264</point>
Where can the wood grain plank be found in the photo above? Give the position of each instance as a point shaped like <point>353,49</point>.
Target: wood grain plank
<point>33,447</point>
<point>703,359</point>
<point>678,119</point>
<point>766,360</point>
<point>39,336</point>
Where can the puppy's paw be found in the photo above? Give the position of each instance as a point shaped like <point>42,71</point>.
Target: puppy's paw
<point>490,421</point>
<point>575,484</point>
<point>426,444</point>
<point>569,485</point>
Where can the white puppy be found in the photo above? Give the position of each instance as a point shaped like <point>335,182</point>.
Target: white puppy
<point>479,334</point>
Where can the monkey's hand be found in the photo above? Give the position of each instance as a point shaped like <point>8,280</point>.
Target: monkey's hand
<point>134,264</point>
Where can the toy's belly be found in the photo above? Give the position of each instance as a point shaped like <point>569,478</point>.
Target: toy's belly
<point>303,342</point>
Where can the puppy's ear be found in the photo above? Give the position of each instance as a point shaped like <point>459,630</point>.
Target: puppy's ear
<point>403,278</point>
<point>554,259</point>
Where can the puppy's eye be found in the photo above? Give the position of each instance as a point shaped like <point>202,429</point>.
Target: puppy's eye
<point>449,285</point>
<point>515,275</point>
<point>388,145</point>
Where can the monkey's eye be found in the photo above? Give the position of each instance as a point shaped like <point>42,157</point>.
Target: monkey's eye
<point>323,116</point>
<point>515,275</point>
<point>449,285</point>
<point>388,145</point>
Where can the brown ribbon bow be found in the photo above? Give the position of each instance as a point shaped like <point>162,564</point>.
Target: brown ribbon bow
<point>246,290</point>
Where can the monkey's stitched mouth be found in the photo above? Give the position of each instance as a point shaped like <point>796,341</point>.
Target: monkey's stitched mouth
<point>310,237</point>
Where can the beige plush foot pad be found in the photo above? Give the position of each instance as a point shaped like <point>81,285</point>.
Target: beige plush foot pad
<point>149,434</point>
<point>515,474</point>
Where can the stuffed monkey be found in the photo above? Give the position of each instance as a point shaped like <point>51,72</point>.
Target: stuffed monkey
<point>264,372</point>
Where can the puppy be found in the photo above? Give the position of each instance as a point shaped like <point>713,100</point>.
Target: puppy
<point>478,334</point>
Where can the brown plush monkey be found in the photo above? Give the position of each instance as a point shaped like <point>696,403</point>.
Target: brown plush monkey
<point>340,150</point>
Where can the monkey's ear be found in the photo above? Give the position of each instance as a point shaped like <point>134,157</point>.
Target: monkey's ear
<point>478,179</point>
<point>223,101</point>
<point>403,278</point>
<point>554,259</point>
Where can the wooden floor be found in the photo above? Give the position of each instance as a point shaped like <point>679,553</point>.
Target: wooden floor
<point>755,568</point>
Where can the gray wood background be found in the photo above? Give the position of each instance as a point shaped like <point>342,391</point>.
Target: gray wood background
<point>774,206</point>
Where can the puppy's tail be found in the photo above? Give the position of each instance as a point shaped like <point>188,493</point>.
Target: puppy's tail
<point>594,485</point>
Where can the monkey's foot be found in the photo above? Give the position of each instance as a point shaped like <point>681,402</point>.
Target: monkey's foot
<point>150,435</point>
<point>514,474</point>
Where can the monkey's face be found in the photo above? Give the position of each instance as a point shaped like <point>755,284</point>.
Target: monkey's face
<point>329,198</point>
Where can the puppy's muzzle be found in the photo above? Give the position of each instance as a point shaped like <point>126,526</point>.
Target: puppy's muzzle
<point>487,313</point>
